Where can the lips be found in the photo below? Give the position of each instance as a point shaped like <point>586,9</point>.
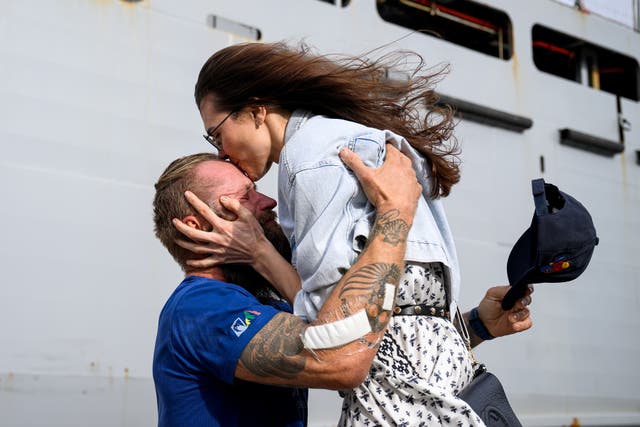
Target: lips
<point>246,173</point>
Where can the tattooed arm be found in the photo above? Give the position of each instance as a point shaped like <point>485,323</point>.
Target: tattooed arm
<point>276,354</point>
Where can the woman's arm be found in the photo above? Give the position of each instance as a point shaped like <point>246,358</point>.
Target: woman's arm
<point>497,322</point>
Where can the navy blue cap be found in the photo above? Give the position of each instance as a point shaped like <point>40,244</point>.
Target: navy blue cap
<point>558,245</point>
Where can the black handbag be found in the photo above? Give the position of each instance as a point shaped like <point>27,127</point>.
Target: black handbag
<point>485,394</point>
<point>487,398</point>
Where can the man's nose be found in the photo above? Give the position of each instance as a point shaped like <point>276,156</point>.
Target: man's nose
<point>266,203</point>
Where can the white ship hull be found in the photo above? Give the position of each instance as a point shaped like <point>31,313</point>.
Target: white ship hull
<point>96,99</point>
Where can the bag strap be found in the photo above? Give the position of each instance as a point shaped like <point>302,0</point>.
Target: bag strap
<point>464,332</point>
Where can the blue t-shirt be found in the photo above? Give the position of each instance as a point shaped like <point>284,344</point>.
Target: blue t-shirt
<point>203,329</point>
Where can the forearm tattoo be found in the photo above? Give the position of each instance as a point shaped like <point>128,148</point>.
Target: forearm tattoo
<point>393,229</point>
<point>276,351</point>
<point>369,281</point>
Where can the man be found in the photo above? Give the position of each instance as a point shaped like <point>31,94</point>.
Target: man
<point>213,335</point>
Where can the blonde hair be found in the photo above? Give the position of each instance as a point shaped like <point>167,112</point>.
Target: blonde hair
<point>169,201</point>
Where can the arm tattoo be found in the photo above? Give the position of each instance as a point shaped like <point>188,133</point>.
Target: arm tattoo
<point>392,229</point>
<point>369,281</point>
<point>276,351</point>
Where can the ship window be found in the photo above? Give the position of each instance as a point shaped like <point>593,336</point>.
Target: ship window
<point>463,22</point>
<point>574,59</point>
<point>343,3</point>
<point>233,27</point>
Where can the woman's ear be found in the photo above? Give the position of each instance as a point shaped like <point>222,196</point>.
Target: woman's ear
<point>259,113</point>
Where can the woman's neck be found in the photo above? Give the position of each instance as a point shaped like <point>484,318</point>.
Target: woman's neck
<point>276,121</point>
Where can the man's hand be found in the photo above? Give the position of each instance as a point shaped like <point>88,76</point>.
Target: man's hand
<point>499,322</point>
<point>393,184</point>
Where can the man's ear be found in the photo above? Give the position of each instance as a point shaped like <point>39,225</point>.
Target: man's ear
<point>197,223</point>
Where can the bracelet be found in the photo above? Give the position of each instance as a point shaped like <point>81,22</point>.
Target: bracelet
<point>477,326</point>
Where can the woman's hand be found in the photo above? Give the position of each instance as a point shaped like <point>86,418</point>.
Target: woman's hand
<point>226,242</point>
<point>499,322</point>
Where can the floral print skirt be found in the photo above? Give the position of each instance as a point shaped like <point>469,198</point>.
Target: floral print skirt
<point>421,365</point>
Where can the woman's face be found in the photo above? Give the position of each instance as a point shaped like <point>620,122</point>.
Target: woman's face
<point>243,137</point>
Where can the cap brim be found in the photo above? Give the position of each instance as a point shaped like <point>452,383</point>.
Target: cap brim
<point>521,266</point>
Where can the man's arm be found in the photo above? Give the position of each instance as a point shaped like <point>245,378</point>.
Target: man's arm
<point>276,354</point>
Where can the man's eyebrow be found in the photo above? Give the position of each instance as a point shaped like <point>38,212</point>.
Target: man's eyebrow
<point>245,190</point>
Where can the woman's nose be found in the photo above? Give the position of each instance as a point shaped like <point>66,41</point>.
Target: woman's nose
<point>222,155</point>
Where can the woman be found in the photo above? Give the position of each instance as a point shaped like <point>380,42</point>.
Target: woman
<point>266,103</point>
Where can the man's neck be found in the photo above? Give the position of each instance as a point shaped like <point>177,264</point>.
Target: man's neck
<point>242,275</point>
<point>211,273</point>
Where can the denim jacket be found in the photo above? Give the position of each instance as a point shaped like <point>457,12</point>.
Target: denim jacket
<point>327,217</point>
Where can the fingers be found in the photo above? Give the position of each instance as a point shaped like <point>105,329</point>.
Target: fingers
<point>234,206</point>
<point>393,184</point>
<point>190,246</point>
<point>519,315</point>
<point>520,320</point>
<point>395,154</point>
<point>525,300</point>
<point>190,232</point>
<point>497,293</point>
<point>198,248</point>
<point>352,161</point>
<point>202,208</point>
<point>230,204</point>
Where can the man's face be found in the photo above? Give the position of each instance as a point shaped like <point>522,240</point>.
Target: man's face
<point>219,178</point>
<point>224,179</point>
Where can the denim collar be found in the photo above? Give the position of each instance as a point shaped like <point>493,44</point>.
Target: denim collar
<point>297,119</point>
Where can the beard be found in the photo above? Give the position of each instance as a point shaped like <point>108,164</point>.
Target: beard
<point>245,276</point>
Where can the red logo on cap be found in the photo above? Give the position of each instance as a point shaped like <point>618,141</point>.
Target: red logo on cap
<point>560,264</point>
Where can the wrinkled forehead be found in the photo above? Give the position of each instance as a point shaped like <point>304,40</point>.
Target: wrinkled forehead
<point>221,178</point>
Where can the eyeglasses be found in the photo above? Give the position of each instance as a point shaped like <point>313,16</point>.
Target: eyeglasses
<point>210,135</point>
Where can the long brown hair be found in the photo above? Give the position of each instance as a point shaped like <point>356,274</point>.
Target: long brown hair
<point>351,88</point>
